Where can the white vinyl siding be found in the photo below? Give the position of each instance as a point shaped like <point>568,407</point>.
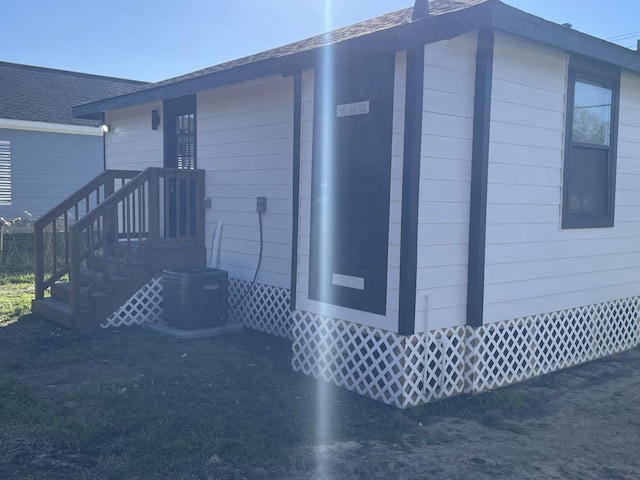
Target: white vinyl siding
<point>389,321</point>
<point>245,144</point>
<point>5,172</point>
<point>532,265</point>
<point>445,178</point>
<point>131,144</point>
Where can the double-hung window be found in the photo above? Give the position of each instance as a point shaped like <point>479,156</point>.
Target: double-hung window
<point>590,145</point>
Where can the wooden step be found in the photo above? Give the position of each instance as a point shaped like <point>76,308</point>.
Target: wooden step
<point>175,256</point>
<point>58,311</point>
<point>98,305</point>
<point>105,283</point>
<point>62,291</point>
<point>107,262</point>
<point>114,289</point>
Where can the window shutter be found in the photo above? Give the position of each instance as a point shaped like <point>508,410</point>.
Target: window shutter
<point>5,172</point>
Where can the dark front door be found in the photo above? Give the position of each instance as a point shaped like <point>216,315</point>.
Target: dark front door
<point>351,182</point>
<point>180,153</point>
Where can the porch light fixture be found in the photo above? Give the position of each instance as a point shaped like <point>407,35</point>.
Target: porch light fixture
<point>104,127</point>
<point>155,119</point>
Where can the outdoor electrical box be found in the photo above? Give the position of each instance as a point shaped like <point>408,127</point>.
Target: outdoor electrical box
<point>261,204</point>
<point>194,297</point>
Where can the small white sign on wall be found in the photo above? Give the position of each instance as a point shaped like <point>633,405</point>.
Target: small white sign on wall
<point>348,281</point>
<point>351,109</point>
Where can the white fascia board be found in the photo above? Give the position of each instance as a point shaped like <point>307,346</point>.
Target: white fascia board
<point>50,127</point>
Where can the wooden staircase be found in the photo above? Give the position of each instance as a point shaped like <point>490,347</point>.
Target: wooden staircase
<point>107,240</point>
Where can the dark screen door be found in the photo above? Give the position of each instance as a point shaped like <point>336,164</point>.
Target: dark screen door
<point>351,182</point>
<point>180,153</point>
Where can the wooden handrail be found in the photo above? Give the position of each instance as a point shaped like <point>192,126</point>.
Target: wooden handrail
<point>80,203</point>
<point>117,215</point>
<point>104,179</point>
<point>127,223</point>
<point>111,199</point>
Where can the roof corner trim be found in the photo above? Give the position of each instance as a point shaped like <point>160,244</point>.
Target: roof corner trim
<point>426,30</point>
<point>525,25</point>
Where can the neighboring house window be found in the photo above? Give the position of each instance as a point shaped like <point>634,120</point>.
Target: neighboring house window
<point>590,146</point>
<point>5,172</point>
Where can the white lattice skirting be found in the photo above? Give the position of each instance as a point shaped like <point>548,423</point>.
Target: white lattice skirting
<point>407,371</point>
<point>143,307</point>
<point>397,370</point>
<point>262,307</point>
<point>512,351</point>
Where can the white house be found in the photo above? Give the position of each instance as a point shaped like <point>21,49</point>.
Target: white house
<point>452,194</point>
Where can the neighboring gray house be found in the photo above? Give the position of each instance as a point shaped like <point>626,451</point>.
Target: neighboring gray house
<point>45,153</point>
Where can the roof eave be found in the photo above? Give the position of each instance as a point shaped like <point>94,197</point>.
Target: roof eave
<point>491,14</point>
<point>95,110</point>
<point>427,30</point>
<point>516,22</point>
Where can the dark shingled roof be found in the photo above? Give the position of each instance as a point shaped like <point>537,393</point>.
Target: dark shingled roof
<point>46,95</point>
<point>383,22</point>
<point>446,19</point>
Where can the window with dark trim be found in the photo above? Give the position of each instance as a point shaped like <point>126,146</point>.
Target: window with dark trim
<point>589,183</point>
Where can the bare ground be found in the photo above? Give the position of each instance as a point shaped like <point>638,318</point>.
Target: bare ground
<point>579,423</point>
<point>587,427</point>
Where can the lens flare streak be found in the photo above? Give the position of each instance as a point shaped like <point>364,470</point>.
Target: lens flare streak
<point>326,73</point>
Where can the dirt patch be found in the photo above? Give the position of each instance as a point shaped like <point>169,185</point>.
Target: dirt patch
<point>588,428</point>
<point>27,454</point>
<point>132,404</point>
<point>55,379</point>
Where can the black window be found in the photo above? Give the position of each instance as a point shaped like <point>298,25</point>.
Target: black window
<point>180,132</point>
<point>590,148</point>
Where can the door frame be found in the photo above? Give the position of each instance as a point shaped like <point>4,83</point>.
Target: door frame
<point>341,296</point>
<point>178,192</point>
<point>172,108</point>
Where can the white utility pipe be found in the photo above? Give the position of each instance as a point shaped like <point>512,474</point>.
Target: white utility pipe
<point>215,247</point>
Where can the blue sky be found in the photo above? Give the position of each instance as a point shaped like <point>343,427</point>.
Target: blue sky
<point>157,39</point>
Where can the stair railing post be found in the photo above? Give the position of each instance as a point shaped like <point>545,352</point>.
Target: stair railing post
<point>154,207</point>
<point>38,267</point>
<point>110,224</point>
<point>74,273</point>
<point>200,213</point>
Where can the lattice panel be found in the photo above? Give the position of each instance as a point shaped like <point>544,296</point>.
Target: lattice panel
<point>265,307</point>
<point>512,351</point>
<point>435,364</point>
<point>144,306</point>
<point>362,359</point>
<point>445,362</point>
<point>397,370</point>
<point>407,371</point>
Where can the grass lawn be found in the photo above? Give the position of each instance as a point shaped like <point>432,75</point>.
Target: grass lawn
<point>16,292</point>
<point>132,404</point>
